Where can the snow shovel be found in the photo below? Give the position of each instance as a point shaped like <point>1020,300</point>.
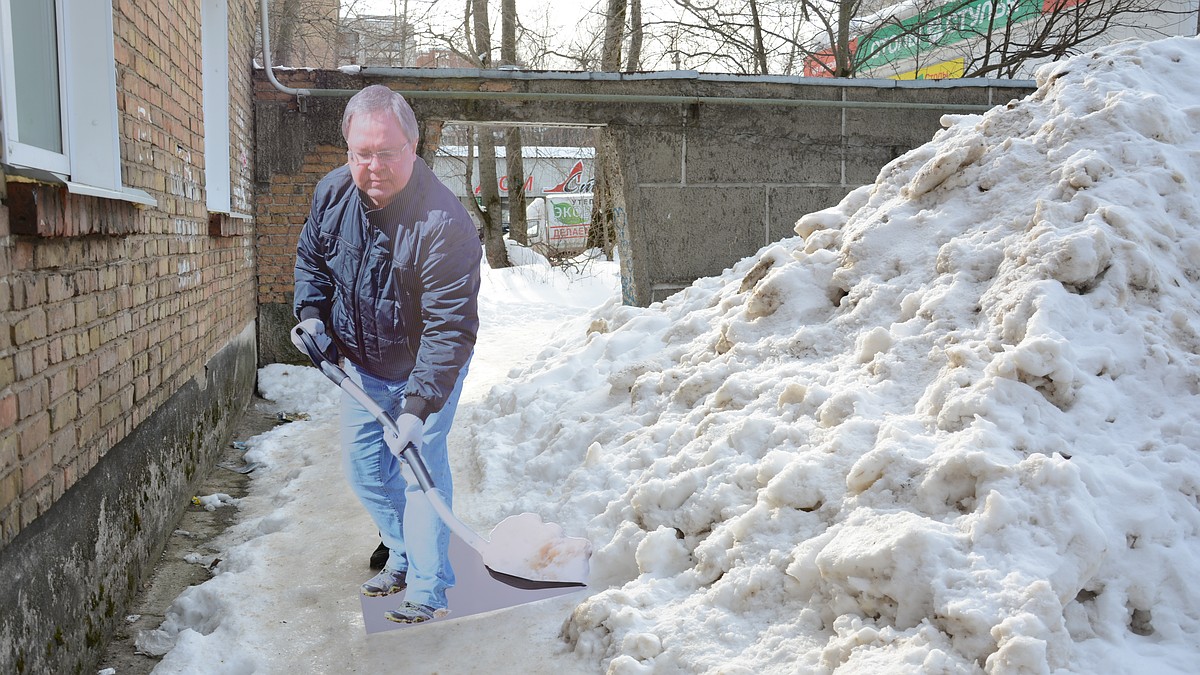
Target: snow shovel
<point>523,551</point>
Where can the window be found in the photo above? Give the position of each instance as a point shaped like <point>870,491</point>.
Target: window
<point>214,28</point>
<point>214,25</point>
<point>36,136</point>
<point>58,96</point>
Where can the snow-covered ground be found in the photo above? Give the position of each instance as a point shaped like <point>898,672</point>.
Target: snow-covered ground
<point>953,427</point>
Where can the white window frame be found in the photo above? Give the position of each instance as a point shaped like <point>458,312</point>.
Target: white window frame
<point>90,163</point>
<point>214,39</point>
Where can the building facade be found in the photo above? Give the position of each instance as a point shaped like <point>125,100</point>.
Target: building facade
<point>126,295</point>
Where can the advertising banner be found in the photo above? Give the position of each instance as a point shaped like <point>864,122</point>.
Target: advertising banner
<point>944,26</point>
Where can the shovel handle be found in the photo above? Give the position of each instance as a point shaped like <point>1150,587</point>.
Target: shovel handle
<point>318,358</point>
<point>341,379</point>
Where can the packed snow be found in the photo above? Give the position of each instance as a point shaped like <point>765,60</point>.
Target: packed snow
<point>951,427</point>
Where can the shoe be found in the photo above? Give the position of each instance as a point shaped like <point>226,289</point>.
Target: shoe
<point>411,612</point>
<point>379,557</point>
<point>386,582</point>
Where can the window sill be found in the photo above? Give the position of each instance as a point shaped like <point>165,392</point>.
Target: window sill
<point>125,194</point>
<point>47,210</point>
<point>228,224</point>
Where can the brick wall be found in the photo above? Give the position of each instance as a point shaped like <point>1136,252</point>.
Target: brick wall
<point>283,198</point>
<point>282,208</point>
<point>108,308</point>
<point>126,343</point>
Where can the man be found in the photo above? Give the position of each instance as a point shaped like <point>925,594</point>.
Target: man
<point>387,273</point>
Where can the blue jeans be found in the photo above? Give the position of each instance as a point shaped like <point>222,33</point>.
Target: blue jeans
<point>419,541</point>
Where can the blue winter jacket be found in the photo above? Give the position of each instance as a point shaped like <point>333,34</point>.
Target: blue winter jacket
<point>398,297</point>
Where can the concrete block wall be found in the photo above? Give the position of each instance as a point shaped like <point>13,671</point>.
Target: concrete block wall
<point>725,180</point>
<point>127,346</point>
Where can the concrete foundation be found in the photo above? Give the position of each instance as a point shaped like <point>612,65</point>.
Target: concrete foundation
<point>68,576</point>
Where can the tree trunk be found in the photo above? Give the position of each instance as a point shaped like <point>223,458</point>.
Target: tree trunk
<point>610,60</point>
<point>508,32</point>
<point>283,31</point>
<point>614,32</point>
<point>493,226</point>
<point>633,63</point>
<point>602,233</point>
<point>489,191</point>
<point>760,51</point>
<point>512,137</point>
<point>483,37</point>
<point>842,56</point>
<point>517,227</point>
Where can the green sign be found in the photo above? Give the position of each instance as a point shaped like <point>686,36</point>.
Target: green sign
<point>567,214</point>
<point>946,25</point>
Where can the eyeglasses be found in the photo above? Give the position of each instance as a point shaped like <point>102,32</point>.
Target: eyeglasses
<point>384,156</point>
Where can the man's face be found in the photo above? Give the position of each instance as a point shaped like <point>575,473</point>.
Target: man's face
<point>380,156</point>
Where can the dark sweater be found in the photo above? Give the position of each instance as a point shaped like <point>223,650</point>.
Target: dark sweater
<point>396,287</point>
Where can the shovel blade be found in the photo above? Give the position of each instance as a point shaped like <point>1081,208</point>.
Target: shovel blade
<point>527,552</point>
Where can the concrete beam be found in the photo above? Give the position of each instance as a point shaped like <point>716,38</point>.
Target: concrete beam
<point>707,168</point>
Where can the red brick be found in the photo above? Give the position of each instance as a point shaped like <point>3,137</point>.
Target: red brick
<point>8,450</point>
<point>63,411</point>
<point>8,411</point>
<point>62,447</point>
<point>8,372</point>
<point>34,434</point>
<point>35,469</point>
<point>10,488</point>
<point>33,398</point>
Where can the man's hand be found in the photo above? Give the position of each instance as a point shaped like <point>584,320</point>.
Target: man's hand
<point>411,429</point>
<point>315,328</point>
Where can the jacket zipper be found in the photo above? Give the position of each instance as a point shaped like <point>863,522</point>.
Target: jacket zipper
<point>358,283</point>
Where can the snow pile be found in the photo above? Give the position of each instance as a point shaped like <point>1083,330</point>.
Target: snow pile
<point>953,427</point>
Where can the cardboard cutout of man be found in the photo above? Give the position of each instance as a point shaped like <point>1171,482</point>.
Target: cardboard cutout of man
<point>387,274</point>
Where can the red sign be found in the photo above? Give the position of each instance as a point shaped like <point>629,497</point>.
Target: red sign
<point>823,63</point>
<point>558,233</point>
<point>572,183</point>
<point>504,184</point>
<point>1050,6</point>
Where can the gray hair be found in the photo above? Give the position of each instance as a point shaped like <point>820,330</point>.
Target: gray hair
<point>378,98</point>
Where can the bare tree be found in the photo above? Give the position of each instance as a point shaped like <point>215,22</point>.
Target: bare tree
<point>847,38</point>
<point>378,40</point>
<point>636,36</point>
<point>614,32</point>
<point>303,33</point>
<point>517,229</point>
<point>490,213</point>
<point>600,233</point>
<point>1049,35</point>
<point>742,36</point>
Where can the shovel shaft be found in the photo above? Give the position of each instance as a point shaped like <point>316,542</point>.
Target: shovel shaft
<point>489,551</point>
<point>410,454</point>
<point>413,458</point>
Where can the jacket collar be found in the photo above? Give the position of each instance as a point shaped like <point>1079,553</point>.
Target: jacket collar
<point>394,212</point>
